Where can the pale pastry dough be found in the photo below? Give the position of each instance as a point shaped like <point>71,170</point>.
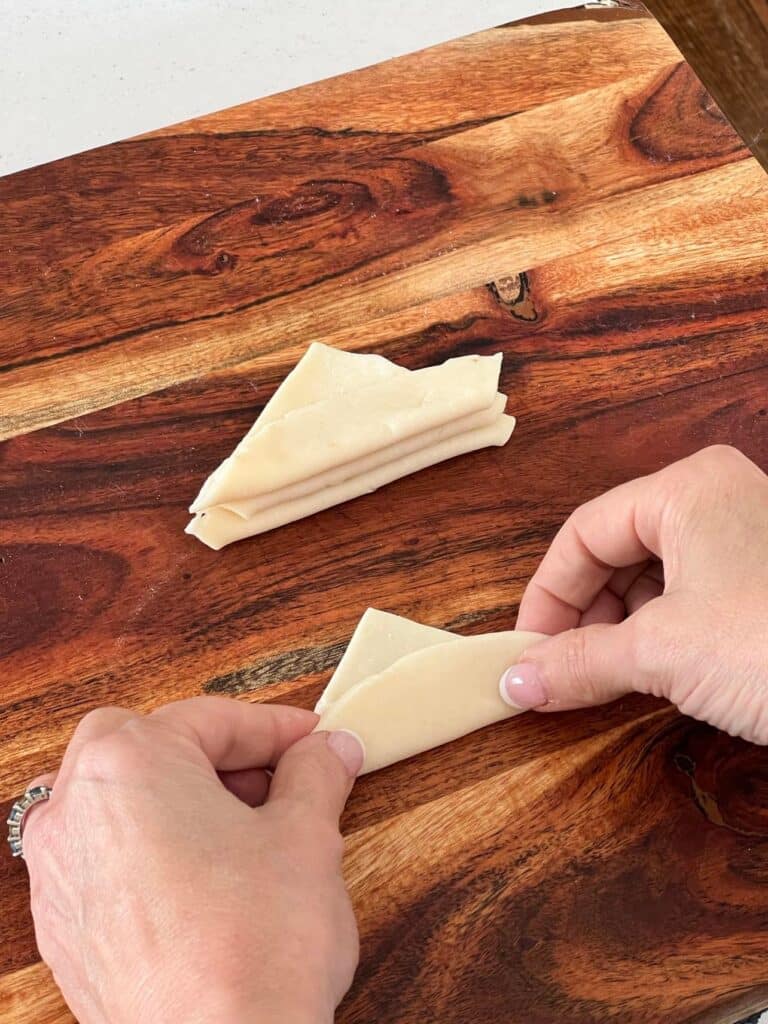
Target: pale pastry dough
<point>356,467</point>
<point>380,639</point>
<point>219,526</point>
<point>350,424</point>
<point>323,372</point>
<point>427,696</point>
<point>341,425</point>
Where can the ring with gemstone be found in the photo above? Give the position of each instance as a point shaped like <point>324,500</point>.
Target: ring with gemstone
<point>35,795</point>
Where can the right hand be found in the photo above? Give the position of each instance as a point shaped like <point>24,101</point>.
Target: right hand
<point>658,586</point>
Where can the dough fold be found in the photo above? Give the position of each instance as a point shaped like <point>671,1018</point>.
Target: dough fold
<point>344,424</point>
<point>404,688</point>
<point>220,526</point>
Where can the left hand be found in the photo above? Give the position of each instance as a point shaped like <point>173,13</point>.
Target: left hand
<point>172,880</point>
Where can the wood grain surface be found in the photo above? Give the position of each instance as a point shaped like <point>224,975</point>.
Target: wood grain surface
<point>727,44</point>
<point>565,192</point>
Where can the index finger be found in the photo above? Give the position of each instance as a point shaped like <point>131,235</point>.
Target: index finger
<point>618,529</point>
<point>234,734</point>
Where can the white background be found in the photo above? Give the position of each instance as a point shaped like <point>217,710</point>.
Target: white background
<point>78,73</point>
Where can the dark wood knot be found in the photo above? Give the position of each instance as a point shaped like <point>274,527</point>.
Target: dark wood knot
<point>513,293</point>
<point>728,780</point>
<point>310,200</point>
<point>679,122</point>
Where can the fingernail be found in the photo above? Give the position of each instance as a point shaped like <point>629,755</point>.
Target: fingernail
<point>522,687</point>
<point>348,747</point>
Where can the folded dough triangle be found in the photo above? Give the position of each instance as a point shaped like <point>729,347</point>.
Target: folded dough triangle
<point>343,424</point>
<point>404,688</point>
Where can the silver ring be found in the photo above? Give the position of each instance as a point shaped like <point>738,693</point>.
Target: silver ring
<point>35,795</point>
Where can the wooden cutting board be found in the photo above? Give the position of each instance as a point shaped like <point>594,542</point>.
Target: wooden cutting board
<point>563,191</point>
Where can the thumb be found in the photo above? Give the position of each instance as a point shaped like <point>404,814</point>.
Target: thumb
<point>579,668</point>
<point>317,773</point>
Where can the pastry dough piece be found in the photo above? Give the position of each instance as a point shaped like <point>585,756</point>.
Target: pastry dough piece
<point>357,467</point>
<point>348,425</point>
<point>425,697</point>
<point>324,372</point>
<point>380,639</point>
<point>219,526</point>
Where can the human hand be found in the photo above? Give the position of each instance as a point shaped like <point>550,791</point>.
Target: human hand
<point>158,892</point>
<point>659,586</point>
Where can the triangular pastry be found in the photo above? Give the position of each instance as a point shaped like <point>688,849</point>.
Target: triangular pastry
<point>404,688</point>
<point>341,425</point>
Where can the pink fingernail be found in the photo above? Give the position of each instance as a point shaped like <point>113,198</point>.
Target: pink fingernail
<point>522,687</point>
<point>348,747</point>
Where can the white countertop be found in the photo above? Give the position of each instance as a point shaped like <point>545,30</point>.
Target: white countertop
<point>80,73</point>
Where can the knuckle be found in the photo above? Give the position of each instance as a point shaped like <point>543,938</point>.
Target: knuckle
<point>722,455</point>
<point>715,469</point>
<point>732,469</point>
<point>113,756</point>
<point>91,718</point>
<point>321,763</point>
<point>643,649</point>
<point>178,709</point>
<point>578,681</point>
<point>687,491</point>
<point>92,722</point>
<point>308,831</point>
<point>581,515</point>
<point>652,647</point>
<point>575,657</point>
<point>693,477</point>
<point>679,486</point>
